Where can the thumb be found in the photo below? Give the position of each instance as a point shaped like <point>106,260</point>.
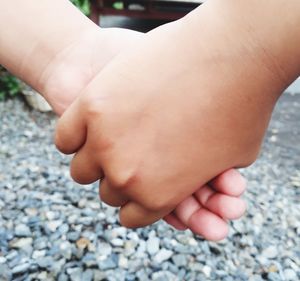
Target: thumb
<point>71,129</point>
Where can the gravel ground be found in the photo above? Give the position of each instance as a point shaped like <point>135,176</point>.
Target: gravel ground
<point>54,229</point>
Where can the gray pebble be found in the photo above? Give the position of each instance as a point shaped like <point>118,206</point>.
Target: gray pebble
<point>75,274</point>
<point>87,275</point>
<point>65,248</point>
<point>272,276</point>
<point>162,255</point>
<point>270,252</point>
<point>63,277</point>
<point>108,263</point>
<point>22,268</point>
<point>164,276</point>
<point>73,236</point>
<point>99,275</point>
<point>45,262</point>
<point>153,245</point>
<point>63,229</point>
<point>180,260</point>
<point>89,260</point>
<point>22,230</point>
<point>5,272</point>
<point>22,243</point>
<point>290,274</point>
<point>104,249</point>
<point>117,242</point>
<point>41,243</point>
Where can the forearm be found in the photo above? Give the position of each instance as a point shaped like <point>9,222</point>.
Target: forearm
<point>274,25</point>
<point>33,33</point>
<point>263,34</point>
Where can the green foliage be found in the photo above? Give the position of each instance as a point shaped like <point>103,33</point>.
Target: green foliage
<point>83,5</point>
<point>9,85</point>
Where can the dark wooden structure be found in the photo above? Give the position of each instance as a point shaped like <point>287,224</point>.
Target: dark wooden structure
<point>145,9</point>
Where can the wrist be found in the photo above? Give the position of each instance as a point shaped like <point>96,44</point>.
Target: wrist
<point>46,58</point>
<point>47,27</point>
<point>70,69</point>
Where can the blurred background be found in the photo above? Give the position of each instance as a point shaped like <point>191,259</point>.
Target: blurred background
<point>54,229</point>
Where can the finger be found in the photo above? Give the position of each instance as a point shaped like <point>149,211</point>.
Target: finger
<point>208,225</point>
<point>84,168</point>
<point>111,196</point>
<point>225,206</point>
<point>174,221</point>
<point>186,209</point>
<point>201,221</point>
<point>71,130</point>
<point>133,215</point>
<point>230,182</point>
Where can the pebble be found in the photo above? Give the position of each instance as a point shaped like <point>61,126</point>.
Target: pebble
<point>162,255</point>
<point>21,268</point>
<point>66,249</point>
<point>153,245</point>
<point>38,254</point>
<point>43,275</point>
<point>89,260</point>
<point>180,260</point>
<point>99,275</point>
<point>123,261</point>
<point>5,272</point>
<point>50,215</point>
<point>273,276</point>
<point>45,262</point>
<point>117,242</point>
<point>290,274</point>
<point>63,229</point>
<point>164,276</point>
<point>73,236</point>
<point>22,243</point>
<point>104,249</point>
<point>271,252</point>
<point>207,270</point>
<point>63,277</point>
<point>108,263</point>
<point>82,243</point>
<point>40,243</point>
<point>22,230</point>
<point>75,274</point>
<point>53,225</point>
<point>87,275</point>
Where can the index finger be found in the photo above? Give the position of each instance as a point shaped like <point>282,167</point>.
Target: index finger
<point>71,130</point>
<point>133,215</point>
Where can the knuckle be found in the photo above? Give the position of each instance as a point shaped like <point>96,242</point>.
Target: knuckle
<point>126,222</point>
<point>78,176</point>
<point>93,106</point>
<point>124,180</point>
<point>60,138</point>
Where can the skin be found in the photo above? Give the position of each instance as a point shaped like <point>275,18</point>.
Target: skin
<point>59,59</point>
<point>175,110</point>
<point>212,221</point>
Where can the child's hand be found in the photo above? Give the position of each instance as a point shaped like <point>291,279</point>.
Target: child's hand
<point>156,122</point>
<point>63,82</point>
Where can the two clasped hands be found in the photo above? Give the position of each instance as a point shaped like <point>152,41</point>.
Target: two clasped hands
<point>163,118</point>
